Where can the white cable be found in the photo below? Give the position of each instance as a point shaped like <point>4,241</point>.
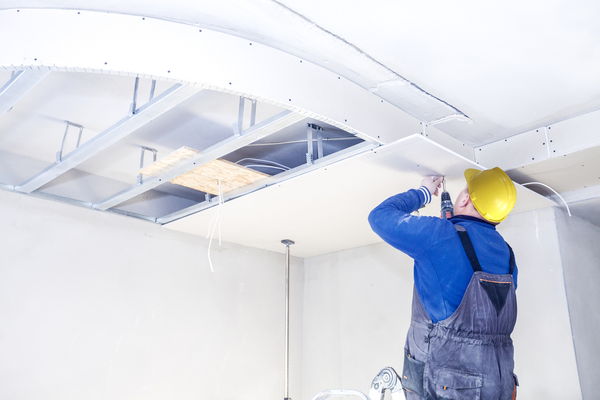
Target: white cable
<point>215,225</point>
<point>262,161</point>
<point>555,192</point>
<point>210,238</point>
<point>266,166</point>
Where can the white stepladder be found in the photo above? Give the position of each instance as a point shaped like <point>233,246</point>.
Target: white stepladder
<point>387,380</point>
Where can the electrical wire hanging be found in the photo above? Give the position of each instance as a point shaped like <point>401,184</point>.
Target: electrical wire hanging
<point>215,225</point>
<point>555,192</point>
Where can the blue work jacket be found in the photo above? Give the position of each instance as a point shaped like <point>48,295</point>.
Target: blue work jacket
<point>442,270</point>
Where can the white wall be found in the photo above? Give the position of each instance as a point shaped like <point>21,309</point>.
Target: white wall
<point>357,305</point>
<point>544,353</point>
<point>356,314</point>
<point>97,306</point>
<point>580,253</point>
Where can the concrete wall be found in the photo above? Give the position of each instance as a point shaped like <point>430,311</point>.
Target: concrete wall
<point>580,253</point>
<point>97,306</point>
<point>357,304</point>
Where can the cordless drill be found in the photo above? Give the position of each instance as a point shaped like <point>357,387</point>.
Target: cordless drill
<point>447,210</point>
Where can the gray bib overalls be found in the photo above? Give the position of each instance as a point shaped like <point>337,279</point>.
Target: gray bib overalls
<point>469,355</point>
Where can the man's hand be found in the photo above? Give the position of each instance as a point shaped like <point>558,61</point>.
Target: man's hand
<point>432,183</point>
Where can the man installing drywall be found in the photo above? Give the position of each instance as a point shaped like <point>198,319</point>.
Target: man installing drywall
<point>464,306</point>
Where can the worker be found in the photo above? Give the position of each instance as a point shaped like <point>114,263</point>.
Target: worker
<point>464,306</point>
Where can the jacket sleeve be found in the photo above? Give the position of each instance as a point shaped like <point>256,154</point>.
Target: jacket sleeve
<point>393,222</point>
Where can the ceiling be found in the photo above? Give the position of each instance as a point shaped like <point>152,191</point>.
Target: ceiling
<point>509,66</point>
<point>479,72</point>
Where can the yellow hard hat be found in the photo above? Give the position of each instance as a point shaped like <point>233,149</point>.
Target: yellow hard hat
<point>492,192</point>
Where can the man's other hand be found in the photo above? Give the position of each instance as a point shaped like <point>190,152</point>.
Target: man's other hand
<point>432,183</point>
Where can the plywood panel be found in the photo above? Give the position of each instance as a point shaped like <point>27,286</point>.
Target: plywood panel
<point>207,177</point>
<point>326,210</point>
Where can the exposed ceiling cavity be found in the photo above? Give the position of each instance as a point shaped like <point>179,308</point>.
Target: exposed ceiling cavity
<point>68,112</point>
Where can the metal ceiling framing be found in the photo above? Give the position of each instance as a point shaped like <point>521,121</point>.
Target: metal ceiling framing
<point>18,85</point>
<point>157,106</point>
<point>146,113</point>
<point>222,148</point>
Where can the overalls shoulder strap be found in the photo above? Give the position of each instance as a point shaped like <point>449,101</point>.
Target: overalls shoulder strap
<point>512,263</point>
<point>470,250</point>
<point>468,246</point>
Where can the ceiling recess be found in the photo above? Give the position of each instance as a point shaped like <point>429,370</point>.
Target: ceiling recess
<point>214,177</point>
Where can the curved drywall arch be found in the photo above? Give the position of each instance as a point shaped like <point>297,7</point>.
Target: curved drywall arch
<point>131,45</point>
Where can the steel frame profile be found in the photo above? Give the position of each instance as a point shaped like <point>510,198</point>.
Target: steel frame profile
<point>285,80</point>
<point>166,101</point>
<point>18,85</point>
<point>220,149</point>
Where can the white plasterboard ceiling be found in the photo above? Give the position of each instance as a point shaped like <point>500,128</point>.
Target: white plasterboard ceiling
<point>327,210</point>
<point>565,173</point>
<point>510,66</point>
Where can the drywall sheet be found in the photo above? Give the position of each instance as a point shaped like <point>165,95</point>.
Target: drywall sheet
<point>326,210</point>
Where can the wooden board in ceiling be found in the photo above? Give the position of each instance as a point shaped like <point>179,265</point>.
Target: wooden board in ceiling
<point>214,177</point>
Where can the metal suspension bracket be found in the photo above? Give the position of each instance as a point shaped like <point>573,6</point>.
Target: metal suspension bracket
<point>59,153</point>
<point>152,90</point>
<point>238,128</point>
<point>136,85</point>
<point>143,150</point>
<point>318,131</point>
